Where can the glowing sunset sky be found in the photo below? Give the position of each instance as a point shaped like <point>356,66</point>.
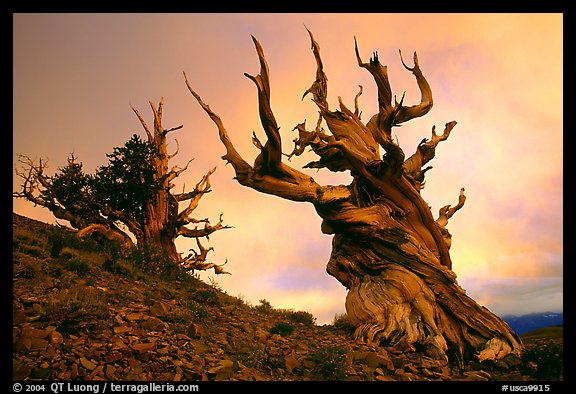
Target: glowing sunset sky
<point>498,75</point>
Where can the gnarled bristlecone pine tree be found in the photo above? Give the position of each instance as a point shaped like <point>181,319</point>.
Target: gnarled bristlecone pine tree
<point>133,194</point>
<point>388,250</point>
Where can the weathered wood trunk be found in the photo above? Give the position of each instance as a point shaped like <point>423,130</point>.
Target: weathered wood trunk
<point>159,230</point>
<point>399,295</point>
<point>164,221</point>
<point>388,250</point>
<point>399,292</point>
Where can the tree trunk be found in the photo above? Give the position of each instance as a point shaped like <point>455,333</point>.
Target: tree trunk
<point>398,295</point>
<point>388,251</point>
<point>164,222</point>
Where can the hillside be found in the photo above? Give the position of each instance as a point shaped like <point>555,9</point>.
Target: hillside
<point>89,311</point>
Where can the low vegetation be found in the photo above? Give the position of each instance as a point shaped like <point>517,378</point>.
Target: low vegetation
<point>81,304</point>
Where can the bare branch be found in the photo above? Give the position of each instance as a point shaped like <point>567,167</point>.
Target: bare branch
<point>201,257</point>
<point>345,126</point>
<point>197,261</point>
<point>157,116</point>
<point>148,133</point>
<point>177,149</point>
<point>296,187</point>
<point>393,115</point>
<point>194,196</point>
<point>132,224</point>
<point>202,232</point>
<point>426,102</point>
<point>241,167</point>
<point>269,160</point>
<point>424,153</point>
<point>380,74</point>
<point>256,141</point>
<point>445,213</point>
<point>111,234</point>
<point>445,134</point>
<point>316,139</point>
<point>166,131</point>
<point>319,88</point>
<point>175,172</point>
<point>356,110</point>
<point>30,174</point>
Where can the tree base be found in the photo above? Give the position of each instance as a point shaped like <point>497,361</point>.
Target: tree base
<point>397,308</point>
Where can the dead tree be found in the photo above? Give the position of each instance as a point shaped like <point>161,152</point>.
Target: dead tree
<point>388,250</point>
<point>163,218</point>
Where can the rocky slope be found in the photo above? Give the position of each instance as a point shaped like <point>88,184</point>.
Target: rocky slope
<point>85,311</point>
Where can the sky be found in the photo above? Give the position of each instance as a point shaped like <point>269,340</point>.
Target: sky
<point>500,76</point>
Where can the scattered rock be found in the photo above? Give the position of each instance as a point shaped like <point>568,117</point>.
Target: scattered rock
<point>38,343</point>
<point>477,375</point>
<point>159,309</point>
<point>122,329</point>
<point>402,375</point>
<point>143,347</point>
<point>508,362</point>
<point>375,360</point>
<point>260,334</point>
<point>195,331</point>
<point>149,331</point>
<point>291,361</point>
<point>229,309</point>
<point>113,357</point>
<point>134,316</point>
<point>222,371</point>
<point>21,371</point>
<point>56,338</point>
<point>154,324</point>
<point>18,316</point>
<point>42,373</point>
<point>89,365</point>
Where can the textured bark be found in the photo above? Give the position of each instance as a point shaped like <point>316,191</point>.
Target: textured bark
<point>388,250</point>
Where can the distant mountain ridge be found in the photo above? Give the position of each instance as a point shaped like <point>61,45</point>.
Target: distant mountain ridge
<point>533,321</point>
